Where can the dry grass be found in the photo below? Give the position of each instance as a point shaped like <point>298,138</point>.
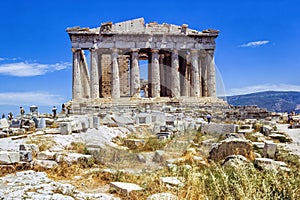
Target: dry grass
<point>213,182</point>
<point>43,142</point>
<point>200,182</point>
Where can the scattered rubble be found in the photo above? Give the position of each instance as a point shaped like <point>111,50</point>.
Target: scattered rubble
<point>82,140</point>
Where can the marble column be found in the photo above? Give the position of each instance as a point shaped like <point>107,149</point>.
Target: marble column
<point>184,76</point>
<point>204,73</point>
<point>149,89</point>
<point>135,74</point>
<point>162,75</point>
<point>175,85</point>
<point>168,81</point>
<point>76,85</point>
<point>85,76</point>
<point>195,74</point>
<point>211,77</point>
<point>115,82</point>
<point>155,77</point>
<point>94,72</point>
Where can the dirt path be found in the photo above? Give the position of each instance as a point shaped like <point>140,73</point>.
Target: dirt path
<point>294,134</point>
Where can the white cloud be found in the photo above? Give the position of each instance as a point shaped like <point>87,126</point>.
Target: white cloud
<point>255,43</point>
<point>1,59</point>
<point>262,88</point>
<point>30,98</point>
<point>23,69</point>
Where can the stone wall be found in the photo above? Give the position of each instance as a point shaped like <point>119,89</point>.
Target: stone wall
<point>218,129</point>
<point>124,75</point>
<point>105,75</point>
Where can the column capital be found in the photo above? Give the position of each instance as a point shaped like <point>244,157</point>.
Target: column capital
<point>75,49</point>
<point>194,51</point>
<point>203,53</point>
<point>154,50</point>
<point>135,50</point>
<point>210,51</point>
<point>93,49</point>
<point>114,50</point>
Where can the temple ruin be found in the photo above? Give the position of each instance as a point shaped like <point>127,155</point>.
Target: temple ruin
<point>180,61</point>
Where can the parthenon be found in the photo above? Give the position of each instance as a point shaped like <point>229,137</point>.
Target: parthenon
<point>180,61</point>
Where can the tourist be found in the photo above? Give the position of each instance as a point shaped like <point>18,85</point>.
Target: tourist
<point>22,111</point>
<point>208,117</point>
<point>63,108</point>
<point>3,116</point>
<point>54,111</point>
<point>290,118</point>
<point>10,116</point>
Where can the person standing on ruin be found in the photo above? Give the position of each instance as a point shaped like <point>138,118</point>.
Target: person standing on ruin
<point>3,116</point>
<point>54,111</point>
<point>63,108</point>
<point>10,116</point>
<point>22,111</point>
<point>208,117</point>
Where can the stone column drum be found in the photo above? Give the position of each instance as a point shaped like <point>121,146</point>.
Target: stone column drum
<point>115,88</point>
<point>94,73</point>
<point>155,78</point>
<point>135,74</point>
<point>211,77</point>
<point>77,93</point>
<point>195,74</point>
<point>175,84</point>
<point>204,73</point>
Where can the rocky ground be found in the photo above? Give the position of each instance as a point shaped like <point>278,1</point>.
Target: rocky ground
<point>294,146</point>
<point>83,157</point>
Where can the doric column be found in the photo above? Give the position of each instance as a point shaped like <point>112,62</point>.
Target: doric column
<point>162,75</point>
<point>115,82</point>
<point>85,77</point>
<point>195,74</point>
<point>76,85</point>
<point>204,73</point>
<point>155,77</point>
<point>168,81</point>
<point>211,77</point>
<point>184,76</point>
<point>135,74</point>
<point>175,85</point>
<point>94,72</point>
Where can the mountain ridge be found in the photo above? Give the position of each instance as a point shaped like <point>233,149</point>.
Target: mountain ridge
<point>274,101</point>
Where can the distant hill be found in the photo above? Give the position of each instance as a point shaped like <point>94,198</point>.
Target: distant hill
<point>271,100</point>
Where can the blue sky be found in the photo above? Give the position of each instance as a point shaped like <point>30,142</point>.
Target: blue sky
<point>257,49</point>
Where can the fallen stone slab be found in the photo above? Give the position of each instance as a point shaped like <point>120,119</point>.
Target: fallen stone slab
<point>162,196</point>
<point>235,161</point>
<point>25,156</point>
<point>172,181</point>
<point>266,130</point>
<point>72,158</point>
<point>270,149</point>
<point>231,146</point>
<point>53,131</point>
<point>9,157</point>
<point>159,156</point>
<point>270,164</point>
<point>125,188</point>
<point>46,155</point>
<point>47,164</point>
<point>280,137</point>
<point>4,123</point>
<point>29,147</point>
<point>65,128</point>
<point>259,145</point>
